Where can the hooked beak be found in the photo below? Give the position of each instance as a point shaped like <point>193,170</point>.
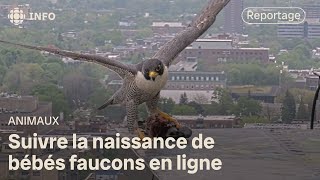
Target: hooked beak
<point>153,75</point>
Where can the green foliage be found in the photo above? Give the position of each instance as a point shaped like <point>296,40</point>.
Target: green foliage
<point>248,107</point>
<point>183,98</point>
<point>247,74</point>
<point>302,113</point>
<point>53,71</point>
<point>183,110</point>
<point>99,97</point>
<point>288,110</point>
<point>21,78</point>
<point>226,104</point>
<point>211,109</point>
<point>3,71</point>
<point>51,93</point>
<point>199,109</point>
<point>166,105</point>
<point>78,86</point>
<point>254,119</point>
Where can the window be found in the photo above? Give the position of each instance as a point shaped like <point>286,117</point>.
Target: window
<point>172,78</point>
<point>217,78</point>
<point>207,78</point>
<point>187,78</point>
<point>202,78</point>
<point>197,78</point>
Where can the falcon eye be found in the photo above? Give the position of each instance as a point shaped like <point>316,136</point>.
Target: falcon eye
<point>158,68</point>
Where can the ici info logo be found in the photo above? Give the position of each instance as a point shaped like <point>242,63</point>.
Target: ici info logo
<point>18,15</point>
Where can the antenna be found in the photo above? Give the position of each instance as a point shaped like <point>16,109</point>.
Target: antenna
<point>315,99</point>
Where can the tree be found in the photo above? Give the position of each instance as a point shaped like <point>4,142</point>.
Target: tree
<point>302,113</point>
<point>166,104</point>
<point>184,110</point>
<point>288,110</point>
<point>79,87</point>
<point>248,107</point>
<point>183,98</point>
<point>198,107</point>
<point>51,93</point>
<point>226,105</point>
<point>21,78</point>
<point>200,98</point>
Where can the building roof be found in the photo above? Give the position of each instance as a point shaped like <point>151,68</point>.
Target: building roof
<point>197,73</point>
<point>206,118</point>
<point>191,94</point>
<point>170,24</point>
<point>313,21</point>
<point>254,90</point>
<point>214,40</point>
<point>249,154</point>
<point>184,66</point>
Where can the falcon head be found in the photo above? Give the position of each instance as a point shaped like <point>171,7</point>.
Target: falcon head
<point>152,68</point>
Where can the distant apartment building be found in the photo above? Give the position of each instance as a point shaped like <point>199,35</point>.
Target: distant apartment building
<point>214,51</point>
<point>233,22</point>
<point>265,94</point>
<point>189,65</point>
<point>18,106</point>
<point>312,82</point>
<point>312,10</point>
<point>196,85</point>
<point>181,80</point>
<point>164,28</point>
<point>309,29</point>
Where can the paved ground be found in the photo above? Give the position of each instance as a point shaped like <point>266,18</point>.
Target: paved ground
<point>250,154</point>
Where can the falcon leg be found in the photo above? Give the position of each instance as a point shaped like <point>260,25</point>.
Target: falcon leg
<point>169,118</point>
<point>132,118</point>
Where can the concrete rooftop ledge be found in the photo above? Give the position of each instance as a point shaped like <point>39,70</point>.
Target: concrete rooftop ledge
<point>249,154</point>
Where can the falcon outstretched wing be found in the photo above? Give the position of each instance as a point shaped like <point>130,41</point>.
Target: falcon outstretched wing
<point>200,24</point>
<point>116,66</point>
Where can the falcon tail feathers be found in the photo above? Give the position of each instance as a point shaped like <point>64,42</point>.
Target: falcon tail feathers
<point>109,102</point>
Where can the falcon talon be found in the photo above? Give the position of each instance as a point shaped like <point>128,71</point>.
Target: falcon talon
<point>140,133</point>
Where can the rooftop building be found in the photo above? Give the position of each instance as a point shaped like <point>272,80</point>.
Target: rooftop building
<point>167,27</point>
<point>17,106</point>
<point>233,22</point>
<point>309,29</point>
<point>214,51</point>
<point>209,122</point>
<point>312,10</point>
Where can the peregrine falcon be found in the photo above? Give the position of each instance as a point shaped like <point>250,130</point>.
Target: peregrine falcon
<point>143,82</point>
